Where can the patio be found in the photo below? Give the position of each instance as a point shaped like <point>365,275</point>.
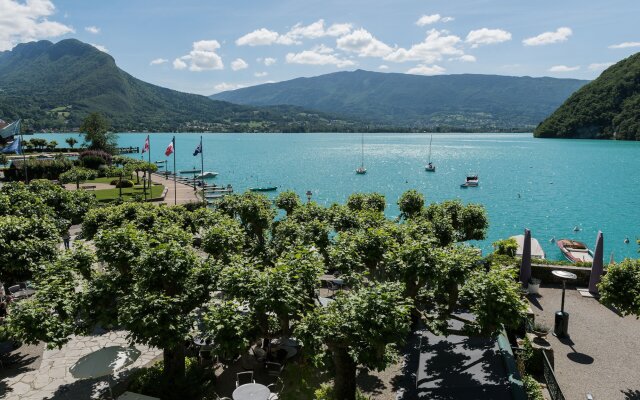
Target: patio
<point>602,355</point>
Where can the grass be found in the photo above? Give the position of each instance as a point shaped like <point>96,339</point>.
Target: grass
<point>127,193</point>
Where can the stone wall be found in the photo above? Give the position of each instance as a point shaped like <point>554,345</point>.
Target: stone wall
<point>543,272</point>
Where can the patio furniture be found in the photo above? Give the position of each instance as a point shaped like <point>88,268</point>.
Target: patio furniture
<point>332,286</point>
<point>243,378</point>
<point>276,389</point>
<point>251,391</point>
<point>273,368</point>
<point>561,326</point>
<point>21,290</point>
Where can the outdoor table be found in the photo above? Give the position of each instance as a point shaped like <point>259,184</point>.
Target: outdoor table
<point>561,326</point>
<point>325,301</point>
<point>201,341</point>
<point>251,391</point>
<point>23,293</point>
<point>284,341</point>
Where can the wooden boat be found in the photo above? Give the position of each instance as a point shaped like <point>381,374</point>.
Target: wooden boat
<point>361,170</point>
<point>207,174</point>
<point>472,181</point>
<point>575,251</point>
<point>264,189</point>
<point>430,167</point>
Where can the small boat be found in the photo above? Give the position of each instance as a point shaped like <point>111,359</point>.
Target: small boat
<point>264,189</point>
<point>361,170</point>
<point>472,181</point>
<point>190,171</point>
<point>430,167</point>
<point>575,251</point>
<point>207,174</point>
<point>213,196</point>
<point>536,249</point>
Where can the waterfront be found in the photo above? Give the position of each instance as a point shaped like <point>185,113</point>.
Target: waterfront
<point>549,186</point>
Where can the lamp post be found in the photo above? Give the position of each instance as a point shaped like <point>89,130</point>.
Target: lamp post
<point>144,186</point>
<point>561,326</point>
<point>309,194</point>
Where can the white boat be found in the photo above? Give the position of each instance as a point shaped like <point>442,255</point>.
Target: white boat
<point>472,181</point>
<point>362,170</point>
<point>207,174</point>
<point>536,249</point>
<point>430,167</point>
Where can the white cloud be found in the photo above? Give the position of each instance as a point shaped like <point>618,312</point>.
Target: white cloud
<point>422,69</point>
<point>239,64</point>
<point>158,61</point>
<point>447,19</point>
<point>625,45</point>
<point>316,30</point>
<point>202,57</point>
<point>383,67</point>
<point>563,68</point>
<point>363,44</point>
<point>338,29</point>
<point>317,56</point>
<point>179,64</point>
<point>224,86</point>
<point>260,74</point>
<point>28,21</point>
<point>436,45</point>
<point>100,47</point>
<point>264,37</point>
<point>92,29</point>
<point>487,36</point>
<point>600,66</point>
<point>560,35</point>
<point>467,58</point>
<point>428,19</point>
<point>269,61</point>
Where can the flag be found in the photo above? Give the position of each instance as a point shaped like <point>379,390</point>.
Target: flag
<point>15,147</point>
<point>169,149</point>
<point>198,149</point>
<point>146,145</point>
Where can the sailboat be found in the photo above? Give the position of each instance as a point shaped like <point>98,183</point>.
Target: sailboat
<point>362,170</point>
<point>430,167</point>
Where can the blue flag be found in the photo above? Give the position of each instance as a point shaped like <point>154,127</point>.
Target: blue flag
<point>15,147</point>
<point>198,149</point>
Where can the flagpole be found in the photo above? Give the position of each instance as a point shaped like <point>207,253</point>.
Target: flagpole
<point>24,156</point>
<point>175,184</point>
<point>201,163</point>
<point>149,169</point>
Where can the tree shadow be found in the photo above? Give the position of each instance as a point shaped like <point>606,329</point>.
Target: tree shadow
<point>631,394</point>
<point>370,384</point>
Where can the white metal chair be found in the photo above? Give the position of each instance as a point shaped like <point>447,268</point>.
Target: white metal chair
<point>242,378</point>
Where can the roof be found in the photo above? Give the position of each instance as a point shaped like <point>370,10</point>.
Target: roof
<point>536,249</point>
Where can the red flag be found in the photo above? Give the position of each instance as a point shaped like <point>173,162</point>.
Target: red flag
<point>146,145</point>
<point>169,149</point>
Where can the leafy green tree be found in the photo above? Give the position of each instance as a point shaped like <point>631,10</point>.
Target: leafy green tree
<point>506,247</point>
<point>71,142</point>
<point>224,239</point>
<point>366,201</point>
<point>410,204</point>
<point>38,143</point>
<point>230,331</point>
<point>455,222</point>
<point>620,287</point>
<point>359,329</point>
<point>51,145</point>
<point>255,213</point>
<point>78,175</point>
<point>96,135</point>
<point>288,201</point>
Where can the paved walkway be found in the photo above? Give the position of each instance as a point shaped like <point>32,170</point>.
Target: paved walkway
<point>602,356</point>
<point>53,380</point>
<point>185,193</point>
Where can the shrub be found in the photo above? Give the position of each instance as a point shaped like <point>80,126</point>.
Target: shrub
<point>125,183</point>
<point>150,382</point>
<point>506,247</point>
<point>114,182</point>
<point>532,388</point>
<point>95,158</point>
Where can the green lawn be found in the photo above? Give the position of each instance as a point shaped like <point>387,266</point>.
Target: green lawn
<point>127,193</point>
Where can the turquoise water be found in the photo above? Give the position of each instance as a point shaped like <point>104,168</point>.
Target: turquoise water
<point>549,185</point>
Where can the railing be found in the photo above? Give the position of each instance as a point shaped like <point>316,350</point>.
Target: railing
<point>550,378</point>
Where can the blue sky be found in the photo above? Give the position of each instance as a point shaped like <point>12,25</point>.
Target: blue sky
<point>207,46</point>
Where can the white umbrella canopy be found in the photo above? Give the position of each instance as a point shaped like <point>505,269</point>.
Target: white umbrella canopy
<point>103,362</point>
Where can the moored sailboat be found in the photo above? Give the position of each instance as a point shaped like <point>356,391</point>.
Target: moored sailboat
<point>361,170</point>
<point>430,167</point>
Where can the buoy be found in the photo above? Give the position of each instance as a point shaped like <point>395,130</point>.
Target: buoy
<point>553,239</point>
<point>626,240</point>
<point>576,228</point>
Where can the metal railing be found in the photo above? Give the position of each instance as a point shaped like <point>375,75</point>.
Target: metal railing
<point>550,378</point>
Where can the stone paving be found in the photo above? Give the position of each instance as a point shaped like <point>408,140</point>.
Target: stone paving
<point>53,380</point>
<point>602,355</point>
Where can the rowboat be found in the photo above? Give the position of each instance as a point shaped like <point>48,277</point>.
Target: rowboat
<point>575,251</point>
<point>264,189</point>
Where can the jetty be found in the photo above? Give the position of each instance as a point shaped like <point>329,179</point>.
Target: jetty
<point>536,249</point>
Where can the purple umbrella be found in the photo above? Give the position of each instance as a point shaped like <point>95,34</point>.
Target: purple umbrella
<point>597,267</point>
<point>525,269</point>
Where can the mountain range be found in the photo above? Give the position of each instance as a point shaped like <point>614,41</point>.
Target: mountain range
<point>607,108</point>
<point>467,101</point>
<point>54,86</point>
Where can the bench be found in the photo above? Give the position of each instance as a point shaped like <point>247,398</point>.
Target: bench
<point>86,187</point>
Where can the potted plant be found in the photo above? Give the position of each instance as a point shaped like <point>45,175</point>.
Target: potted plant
<point>534,286</point>
<point>540,330</point>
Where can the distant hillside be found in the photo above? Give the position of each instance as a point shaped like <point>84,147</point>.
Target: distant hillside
<point>458,101</point>
<point>608,107</point>
<point>54,86</point>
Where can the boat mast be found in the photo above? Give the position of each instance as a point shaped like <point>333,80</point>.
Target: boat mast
<point>430,149</point>
<point>362,148</point>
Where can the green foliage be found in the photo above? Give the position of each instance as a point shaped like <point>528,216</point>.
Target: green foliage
<point>96,135</point>
<point>124,183</point>
<point>532,388</point>
<point>25,243</point>
<point>94,159</point>
<point>287,201</point>
<point>326,392</point>
<point>254,212</point>
<point>37,169</point>
<point>607,107</point>
<point>224,239</point>
<point>77,175</point>
<point>455,222</point>
<point>506,247</point>
<point>71,142</point>
<point>620,287</point>
<point>410,204</point>
<point>366,201</point>
<point>150,381</point>
<point>230,330</point>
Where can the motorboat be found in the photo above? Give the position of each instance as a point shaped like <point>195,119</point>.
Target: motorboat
<point>471,181</point>
<point>207,174</point>
<point>264,189</point>
<point>575,251</point>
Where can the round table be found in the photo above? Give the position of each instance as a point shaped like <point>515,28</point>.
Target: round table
<point>251,391</point>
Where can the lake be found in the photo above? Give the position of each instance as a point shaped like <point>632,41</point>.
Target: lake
<point>547,185</point>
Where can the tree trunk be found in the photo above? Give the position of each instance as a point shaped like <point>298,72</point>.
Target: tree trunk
<point>174,366</point>
<point>454,292</point>
<point>345,380</point>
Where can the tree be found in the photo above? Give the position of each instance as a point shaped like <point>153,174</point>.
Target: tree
<point>52,145</point>
<point>410,204</point>
<point>288,201</point>
<point>71,141</point>
<point>78,175</point>
<point>620,287</point>
<point>96,135</point>
<point>38,143</point>
<point>3,159</point>
<point>255,213</point>
<point>360,327</point>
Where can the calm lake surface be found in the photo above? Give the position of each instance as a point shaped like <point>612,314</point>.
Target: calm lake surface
<point>547,185</point>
